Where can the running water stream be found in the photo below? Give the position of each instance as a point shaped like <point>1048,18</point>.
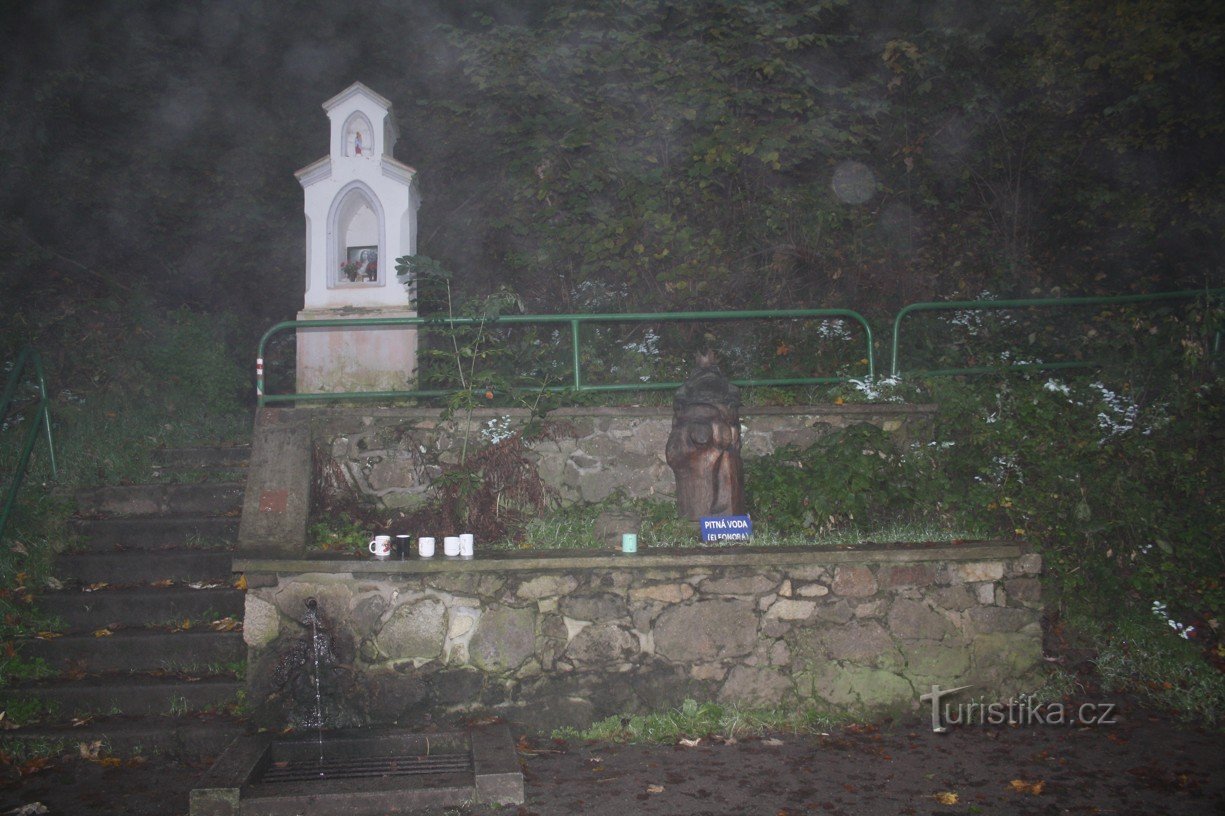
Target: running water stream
<point>300,676</point>
<point>312,613</point>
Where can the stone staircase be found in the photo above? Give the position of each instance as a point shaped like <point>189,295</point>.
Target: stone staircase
<point>148,652</point>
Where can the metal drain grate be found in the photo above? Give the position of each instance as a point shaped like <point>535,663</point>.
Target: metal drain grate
<point>366,767</point>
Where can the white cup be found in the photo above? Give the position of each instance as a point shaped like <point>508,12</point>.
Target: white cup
<point>381,546</point>
<point>450,546</point>
<point>425,547</point>
<point>467,545</point>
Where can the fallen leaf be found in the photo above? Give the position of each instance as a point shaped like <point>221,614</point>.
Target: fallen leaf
<point>49,635</point>
<point>691,743</point>
<point>1033,788</point>
<point>205,584</point>
<point>226,624</point>
<point>655,788</point>
<point>162,584</point>
<point>241,583</point>
<point>772,741</point>
<point>108,762</point>
<point>80,721</point>
<point>89,750</point>
<point>95,587</point>
<point>103,632</point>
<point>946,797</point>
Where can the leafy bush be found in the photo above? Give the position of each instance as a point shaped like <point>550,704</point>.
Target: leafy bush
<point>853,478</point>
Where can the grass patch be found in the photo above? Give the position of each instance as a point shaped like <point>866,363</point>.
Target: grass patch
<point>1141,655</point>
<point>573,527</point>
<point>693,720</point>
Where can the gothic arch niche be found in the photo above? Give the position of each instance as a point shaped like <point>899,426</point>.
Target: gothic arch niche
<point>357,238</point>
<point>359,136</point>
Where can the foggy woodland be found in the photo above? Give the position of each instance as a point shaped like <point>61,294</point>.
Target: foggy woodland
<point>623,154</point>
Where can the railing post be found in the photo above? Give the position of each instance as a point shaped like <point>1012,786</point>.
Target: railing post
<point>574,351</point>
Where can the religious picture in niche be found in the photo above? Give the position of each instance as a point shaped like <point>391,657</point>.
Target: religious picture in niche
<point>357,144</point>
<point>362,265</point>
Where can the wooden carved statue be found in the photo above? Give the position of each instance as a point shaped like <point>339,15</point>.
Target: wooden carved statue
<point>704,446</point>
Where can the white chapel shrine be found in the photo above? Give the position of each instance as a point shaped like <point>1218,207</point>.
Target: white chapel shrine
<point>361,214</point>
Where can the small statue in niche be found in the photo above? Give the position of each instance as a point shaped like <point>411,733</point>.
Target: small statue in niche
<point>357,144</point>
<point>703,448</point>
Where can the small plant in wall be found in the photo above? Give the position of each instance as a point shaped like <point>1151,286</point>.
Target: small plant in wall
<point>467,355</point>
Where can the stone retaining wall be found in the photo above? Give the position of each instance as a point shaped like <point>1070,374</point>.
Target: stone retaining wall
<point>566,639</point>
<point>391,455</point>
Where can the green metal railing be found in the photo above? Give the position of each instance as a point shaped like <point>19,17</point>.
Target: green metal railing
<point>973,305</point>
<point>575,322</point>
<point>42,420</point>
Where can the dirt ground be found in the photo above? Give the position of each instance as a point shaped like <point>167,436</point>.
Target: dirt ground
<point>1142,764</point>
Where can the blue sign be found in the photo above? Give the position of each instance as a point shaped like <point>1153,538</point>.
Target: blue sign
<point>727,528</point>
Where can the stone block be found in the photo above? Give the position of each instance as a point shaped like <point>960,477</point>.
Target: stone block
<point>955,598</point>
<point>598,607</point>
<point>787,609</point>
<point>261,623</point>
<point>414,630</point>
<point>870,609</point>
<point>860,688</point>
<point>1009,661</point>
<point>1025,591</point>
<point>863,642</point>
<point>455,687</point>
<point>812,590</point>
<point>913,619</point>
<point>547,586</point>
<point>706,631</point>
<point>930,662</point>
<point>991,619</point>
<point>899,575</point>
<point>854,581</point>
<point>774,628</point>
<point>1029,564</point>
<point>601,644</point>
<point>840,612</point>
<point>755,686</point>
<point>504,638</point>
<point>739,585</point>
<point>969,572</point>
<point>366,614</point>
<point>663,593</point>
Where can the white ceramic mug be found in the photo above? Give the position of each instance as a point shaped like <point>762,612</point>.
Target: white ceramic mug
<point>425,547</point>
<point>381,546</point>
<point>467,545</point>
<point>450,546</point>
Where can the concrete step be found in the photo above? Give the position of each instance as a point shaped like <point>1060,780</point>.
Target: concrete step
<point>144,567</point>
<point>154,533</point>
<point>201,499</point>
<point>187,737</point>
<point>144,695</point>
<point>203,459</point>
<point>138,650</point>
<point>87,611</point>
